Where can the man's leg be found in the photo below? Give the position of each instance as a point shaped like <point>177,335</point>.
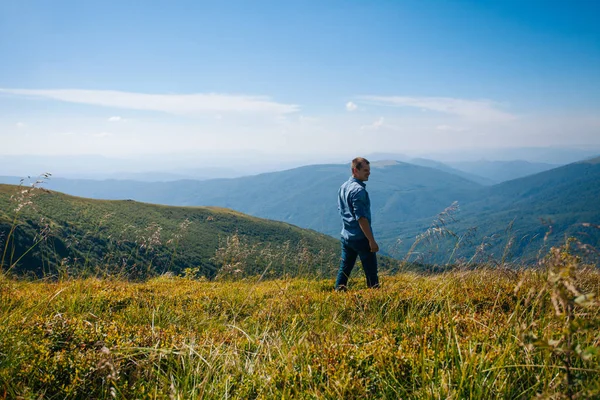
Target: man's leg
<point>369,264</point>
<point>346,264</point>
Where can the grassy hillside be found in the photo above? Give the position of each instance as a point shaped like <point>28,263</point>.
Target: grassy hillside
<point>55,233</point>
<point>514,219</point>
<point>480,335</point>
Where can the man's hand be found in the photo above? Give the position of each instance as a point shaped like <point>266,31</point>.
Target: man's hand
<point>374,246</point>
<point>366,228</point>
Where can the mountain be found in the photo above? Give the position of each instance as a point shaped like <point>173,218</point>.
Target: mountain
<point>530,212</point>
<point>57,233</point>
<point>304,196</point>
<point>153,167</point>
<point>424,162</point>
<point>550,155</point>
<point>500,171</point>
<point>380,156</point>
<point>405,201</point>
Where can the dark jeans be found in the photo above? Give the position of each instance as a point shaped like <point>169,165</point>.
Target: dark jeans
<point>350,250</point>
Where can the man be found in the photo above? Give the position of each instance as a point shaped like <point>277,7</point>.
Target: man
<point>357,237</point>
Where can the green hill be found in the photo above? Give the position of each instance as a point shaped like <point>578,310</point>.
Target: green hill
<point>530,212</point>
<point>56,233</point>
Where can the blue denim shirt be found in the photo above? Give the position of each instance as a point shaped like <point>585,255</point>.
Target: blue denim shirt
<point>353,203</point>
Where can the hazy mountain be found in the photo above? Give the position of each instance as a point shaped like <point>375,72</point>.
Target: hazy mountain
<point>547,155</point>
<point>387,156</point>
<point>522,212</point>
<point>405,200</point>
<point>150,167</point>
<point>100,168</point>
<point>500,171</point>
<point>424,162</point>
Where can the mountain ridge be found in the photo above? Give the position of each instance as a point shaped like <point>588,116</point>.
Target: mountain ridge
<point>405,197</point>
<point>53,231</point>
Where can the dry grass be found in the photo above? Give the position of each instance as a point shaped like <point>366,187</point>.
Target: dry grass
<point>477,334</point>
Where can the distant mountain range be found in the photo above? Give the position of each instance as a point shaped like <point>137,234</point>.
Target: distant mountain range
<point>481,171</point>
<point>213,165</point>
<point>501,171</point>
<point>405,199</point>
<point>302,196</point>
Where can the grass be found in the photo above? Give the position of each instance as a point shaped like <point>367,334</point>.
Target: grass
<point>470,334</point>
<point>473,331</point>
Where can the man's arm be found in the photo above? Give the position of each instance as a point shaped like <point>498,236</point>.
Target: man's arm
<point>366,228</point>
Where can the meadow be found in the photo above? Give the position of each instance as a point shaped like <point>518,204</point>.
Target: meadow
<point>462,334</point>
<point>267,323</point>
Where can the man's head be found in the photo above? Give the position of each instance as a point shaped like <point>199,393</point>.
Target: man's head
<point>361,169</point>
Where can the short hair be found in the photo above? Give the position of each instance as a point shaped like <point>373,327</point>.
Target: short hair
<point>359,163</point>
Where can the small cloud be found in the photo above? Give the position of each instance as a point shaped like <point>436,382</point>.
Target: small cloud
<point>350,106</point>
<point>218,116</point>
<point>115,119</point>
<point>449,128</point>
<point>375,125</point>
<point>20,125</point>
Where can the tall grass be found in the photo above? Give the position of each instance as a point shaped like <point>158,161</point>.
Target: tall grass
<point>464,334</point>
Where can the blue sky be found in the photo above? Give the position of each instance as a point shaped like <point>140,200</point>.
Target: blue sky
<point>292,78</point>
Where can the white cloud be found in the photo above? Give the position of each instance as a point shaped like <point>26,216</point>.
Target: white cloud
<point>115,119</point>
<point>375,125</point>
<point>350,106</point>
<point>180,104</point>
<point>449,128</point>
<point>20,125</point>
<point>473,110</point>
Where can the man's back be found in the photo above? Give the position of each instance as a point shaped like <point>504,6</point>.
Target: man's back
<point>353,203</point>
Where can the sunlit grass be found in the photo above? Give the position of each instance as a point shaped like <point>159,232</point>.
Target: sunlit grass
<point>454,335</point>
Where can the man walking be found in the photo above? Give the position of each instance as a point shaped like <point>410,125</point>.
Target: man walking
<point>357,237</point>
